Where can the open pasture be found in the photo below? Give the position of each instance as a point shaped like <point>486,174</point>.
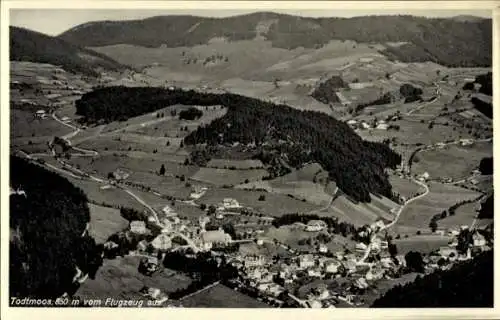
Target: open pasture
<point>441,197</point>
<point>104,222</point>
<point>221,296</point>
<point>453,161</point>
<point>220,177</point>
<point>273,205</point>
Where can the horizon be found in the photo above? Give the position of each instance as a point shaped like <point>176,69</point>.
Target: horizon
<point>54,22</point>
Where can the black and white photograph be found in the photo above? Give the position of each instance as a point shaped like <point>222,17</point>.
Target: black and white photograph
<point>248,158</point>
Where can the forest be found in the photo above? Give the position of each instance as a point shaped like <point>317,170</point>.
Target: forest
<point>486,165</point>
<point>483,107</point>
<point>294,136</point>
<point>486,211</point>
<point>325,92</point>
<point>449,42</point>
<point>46,225</point>
<point>467,284</point>
<point>27,45</point>
<point>486,82</point>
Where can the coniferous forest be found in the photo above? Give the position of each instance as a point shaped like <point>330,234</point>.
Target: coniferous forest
<point>47,225</point>
<point>295,136</point>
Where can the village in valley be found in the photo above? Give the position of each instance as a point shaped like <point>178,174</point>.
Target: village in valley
<point>185,229</point>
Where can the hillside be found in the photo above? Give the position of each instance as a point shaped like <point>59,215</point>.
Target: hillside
<point>47,223</point>
<point>451,42</point>
<point>275,134</point>
<point>27,45</point>
<point>466,285</point>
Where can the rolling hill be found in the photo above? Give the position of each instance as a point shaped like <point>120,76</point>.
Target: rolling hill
<point>450,42</point>
<point>27,45</point>
<point>275,134</point>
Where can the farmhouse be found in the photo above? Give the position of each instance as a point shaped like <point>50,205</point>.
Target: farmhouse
<point>41,114</point>
<point>65,119</point>
<point>343,100</point>
<point>162,242</point>
<point>315,225</point>
<point>332,266</point>
<point>120,174</point>
<point>360,246</point>
<point>252,261</point>
<point>229,203</point>
<point>424,177</point>
<point>382,126</point>
<point>138,227</point>
<point>168,211</point>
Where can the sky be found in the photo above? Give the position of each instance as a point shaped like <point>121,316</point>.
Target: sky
<point>55,21</point>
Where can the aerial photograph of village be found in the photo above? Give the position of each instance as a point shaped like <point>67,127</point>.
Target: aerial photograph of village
<point>250,159</point>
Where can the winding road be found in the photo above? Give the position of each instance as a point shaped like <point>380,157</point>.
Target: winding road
<point>99,180</point>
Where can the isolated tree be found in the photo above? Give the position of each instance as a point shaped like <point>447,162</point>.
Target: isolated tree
<point>211,209</point>
<point>393,250</point>
<point>203,206</point>
<point>433,225</point>
<point>414,261</point>
<point>262,197</point>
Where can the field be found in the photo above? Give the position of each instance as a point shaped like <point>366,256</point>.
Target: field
<point>220,177</point>
<point>452,161</point>
<point>273,205</point>
<point>111,196</point>
<point>422,243</point>
<point>441,197</point>
<point>221,296</point>
<point>404,187</point>
<point>464,215</point>
<point>120,279</point>
<point>360,213</point>
<point>104,222</point>
<point>23,124</point>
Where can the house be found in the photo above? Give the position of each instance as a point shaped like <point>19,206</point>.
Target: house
<point>361,283</point>
<point>203,220</point>
<point>167,226</point>
<point>365,125</point>
<point>448,253</point>
<point>229,203</point>
<point>209,238</point>
<point>361,246</point>
<point>332,266</point>
<point>323,248</point>
<point>382,126</point>
<point>252,261</point>
<point>387,263</point>
<point>377,225</point>
<point>315,225</point>
<point>162,242</point>
<point>424,176</point>
<point>315,304</point>
<point>306,261</point>
<point>453,232</point>
<point>478,240</point>
<point>349,265</point>
<point>120,174</point>
<point>352,122</point>
<point>168,211</point>
<point>40,114</point>
<point>375,274</point>
<point>453,243</point>
<point>65,119</point>
<point>142,245</point>
<point>138,227</point>
<point>314,273</point>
